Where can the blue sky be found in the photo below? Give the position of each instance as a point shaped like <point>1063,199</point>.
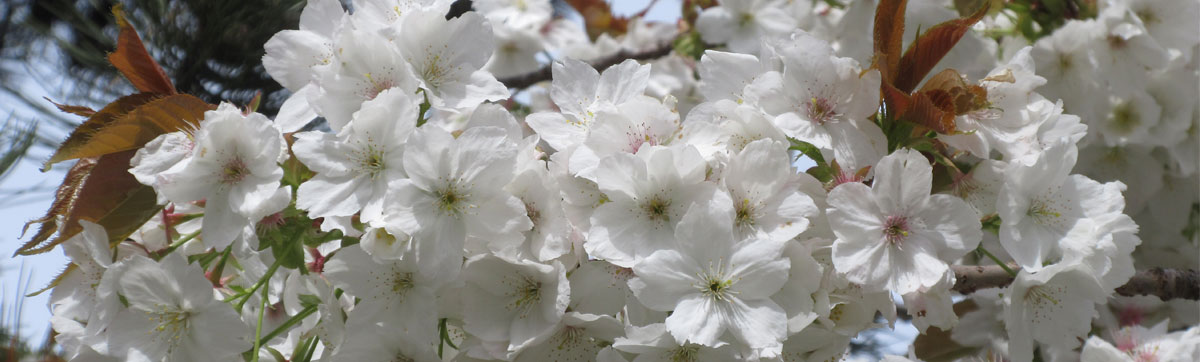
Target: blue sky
<point>16,210</point>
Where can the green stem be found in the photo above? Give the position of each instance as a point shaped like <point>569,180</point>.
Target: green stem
<point>290,322</point>
<point>997,261</point>
<point>259,284</point>
<point>423,108</point>
<point>444,336</point>
<point>178,243</point>
<point>258,328</point>
<point>308,352</point>
<point>215,276</point>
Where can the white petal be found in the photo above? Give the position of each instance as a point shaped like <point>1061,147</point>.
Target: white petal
<point>295,112</point>
<point>760,324</point>
<point>664,278</point>
<point>760,267</point>
<point>902,181</point>
<point>698,320</point>
<point>557,130</point>
<point>622,82</point>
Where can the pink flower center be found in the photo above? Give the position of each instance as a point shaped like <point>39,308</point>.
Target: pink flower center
<point>843,177</point>
<point>1130,315</point>
<point>895,229</point>
<point>235,170</point>
<point>821,110</point>
<point>377,86</point>
<point>1145,356</point>
<point>637,140</point>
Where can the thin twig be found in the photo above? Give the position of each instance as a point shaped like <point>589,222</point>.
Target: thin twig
<point>528,79</point>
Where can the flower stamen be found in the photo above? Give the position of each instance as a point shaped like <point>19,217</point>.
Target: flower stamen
<point>714,282</point>
<point>657,208</point>
<point>895,229</point>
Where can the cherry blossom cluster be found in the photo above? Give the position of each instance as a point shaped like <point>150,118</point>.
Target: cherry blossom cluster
<point>403,206</point>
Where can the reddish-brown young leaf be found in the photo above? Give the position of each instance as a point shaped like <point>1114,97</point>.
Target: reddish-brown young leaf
<point>64,197</point>
<point>889,37</point>
<point>933,110</point>
<point>897,102</point>
<point>113,198</point>
<point>142,124</point>
<point>924,53</point>
<point>71,267</point>
<point>133,128</point>
<point>76,110</point>
<point>134,62</point>
<point>97,121</point>
<point>99,190</point>
<point>965,97</point>
<point>598,18</point>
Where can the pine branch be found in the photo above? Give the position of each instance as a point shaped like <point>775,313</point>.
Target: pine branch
<point>1166,284</point>
<point>528,79</point>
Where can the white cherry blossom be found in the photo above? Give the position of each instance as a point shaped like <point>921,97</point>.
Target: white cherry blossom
<point>652,343</point>
<point>894,235</point>
<point>172,315</point>
<point>233,168</point>
<point>767,200</point>
<point>454,190</point>
<point>743,24</point>
<point>511,305</point>
<point>445,67</point>
<point>715,284</point>
<point>354,167</point>
<point>394,295</point>
<point>648,195</point>
<point>366,64</point>
<point>1040,205</point>
<point>1054,307</point>
<point>580,91</point>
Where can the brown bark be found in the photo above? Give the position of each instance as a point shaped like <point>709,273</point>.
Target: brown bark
<point>525,80</point>
<point>1164,283</point>
<point>970,278</point>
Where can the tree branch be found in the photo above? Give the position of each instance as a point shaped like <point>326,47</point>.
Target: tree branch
<point>1164,283</point>
<point>970,278</point>
<point>525,80</point>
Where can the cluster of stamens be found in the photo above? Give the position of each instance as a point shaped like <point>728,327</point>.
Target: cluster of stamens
<point>657,208</point>
<point>744,214</point>
<point>170,324</point>
<point>235,170</point>
<point>1042,212</point>
<point>821,110</point>
<point>895,230</point>
<point>714,283</point>
<point>377,86</point>
<point>435,71</point>
<point>688,353</point>
<point>526,293</point>
<point>451,200</point>
<point>1038,295</point>
<point>402,282</point>
<point>371,161</point>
